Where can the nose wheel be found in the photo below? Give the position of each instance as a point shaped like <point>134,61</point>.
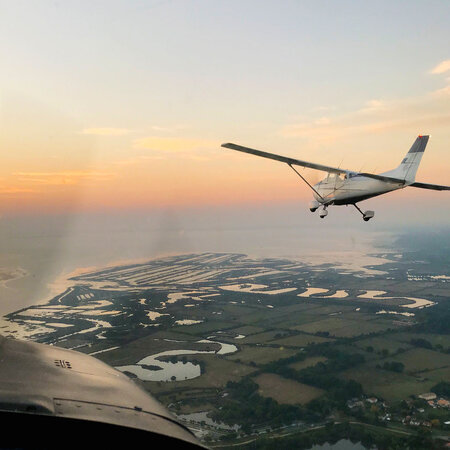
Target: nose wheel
<point>323,212</point>
<point>367,215</point>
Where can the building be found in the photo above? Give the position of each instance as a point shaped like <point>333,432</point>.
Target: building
<point>428,396</point>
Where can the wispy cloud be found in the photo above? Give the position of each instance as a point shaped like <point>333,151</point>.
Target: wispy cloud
<point>443,92</point>
<point>417,114</point>
<point>63,177</point>
<point>106,131</point>
<point>374,106</point>
<point>442,67</point>
<point>137,160</point>
<point>168,129</point>
<point>186,146</point>
<point>16,190</point>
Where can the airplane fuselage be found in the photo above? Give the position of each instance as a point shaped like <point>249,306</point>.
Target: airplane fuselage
<point>353,188</point>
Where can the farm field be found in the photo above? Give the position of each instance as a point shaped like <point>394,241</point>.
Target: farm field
<point>387,385</point>
<point>380,343</point>
<point>260,354</point>
<point>434,339</point>
<point>418,360</point>
<point>286,391</point>
<point>337,327</point>
<point>301,340</point>
<point>308,362</point>
<point>172,326</point>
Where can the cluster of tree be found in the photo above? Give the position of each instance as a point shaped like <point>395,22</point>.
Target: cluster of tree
<point>421,343</point>
<point>247,408</point>
<point>442,389</point>
<point>434,320</point>
<point>393,366</point>
<point>323,374</point>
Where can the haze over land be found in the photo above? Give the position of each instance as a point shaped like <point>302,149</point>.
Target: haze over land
<point>38,253</point>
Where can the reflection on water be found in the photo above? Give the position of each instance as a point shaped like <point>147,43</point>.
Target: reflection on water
<point>151,368</point>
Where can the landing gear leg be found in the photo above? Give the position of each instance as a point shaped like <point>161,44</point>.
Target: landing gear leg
<point>323,212</point>
<point>367,215</point>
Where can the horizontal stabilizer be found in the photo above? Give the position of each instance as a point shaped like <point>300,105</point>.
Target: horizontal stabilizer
<point>435,187</point>
<point>290,161</point>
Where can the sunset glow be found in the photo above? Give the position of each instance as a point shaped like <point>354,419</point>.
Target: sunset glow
<point>139,124</point>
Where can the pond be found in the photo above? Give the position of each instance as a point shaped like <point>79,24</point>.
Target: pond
<point>151,368</point>
<point>343,444</point>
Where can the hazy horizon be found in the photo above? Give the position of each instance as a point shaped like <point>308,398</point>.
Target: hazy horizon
<point>49,248</point>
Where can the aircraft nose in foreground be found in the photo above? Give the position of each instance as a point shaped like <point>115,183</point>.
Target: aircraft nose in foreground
<point>54,398</point>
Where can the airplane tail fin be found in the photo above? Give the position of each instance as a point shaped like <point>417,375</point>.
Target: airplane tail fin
<point>408,167</point>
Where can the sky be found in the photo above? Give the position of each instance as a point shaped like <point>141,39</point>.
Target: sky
<point>117,106</point>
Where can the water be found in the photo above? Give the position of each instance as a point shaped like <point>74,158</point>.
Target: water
<point>48,248</point>
<point>343,444</point>
<point>151,368</point>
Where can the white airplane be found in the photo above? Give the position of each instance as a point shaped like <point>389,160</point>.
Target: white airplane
<point>345,187</point>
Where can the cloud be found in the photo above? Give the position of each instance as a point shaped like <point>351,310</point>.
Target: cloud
<point>373,106</point>
<point>169,129</point>
<point>173,144</point>
<point>415,114</point>
<point>137,160</point>
<point>14,190</point>
<point>324,108</point>
<point>63,177</point>
<point>106,131</point>
<point>445,91</point>
<point>442,67</point>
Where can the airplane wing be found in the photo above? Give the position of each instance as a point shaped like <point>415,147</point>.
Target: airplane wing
<point>297,162</point>
<point>290,161</point>
<point>435,187</point>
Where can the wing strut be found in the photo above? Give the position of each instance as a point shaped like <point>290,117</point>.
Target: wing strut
<point>305,181</point>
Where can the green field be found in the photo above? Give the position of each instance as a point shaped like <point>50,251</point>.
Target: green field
<point>261,338</point>
<point>260,354</point>
<point>380,343</point>
<point>247,330</point>
<point>286,391</point>
<point>434,339</point>
<point>419,360</point>
<point>388,385</point>
<point>301,340</point>
<point>340,327</point>
<point>308,362</point>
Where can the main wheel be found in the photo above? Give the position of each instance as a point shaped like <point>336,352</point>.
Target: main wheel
<point>368,215</point>
<point>323,213</point>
